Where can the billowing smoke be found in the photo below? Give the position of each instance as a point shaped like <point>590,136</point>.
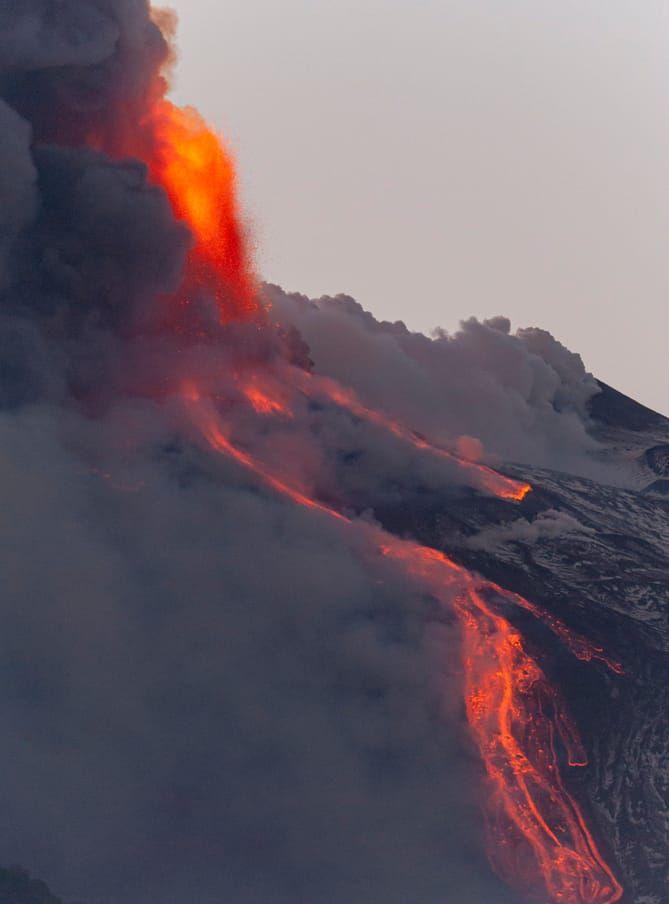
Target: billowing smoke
<point>524,395</point>
<point>208,692</point>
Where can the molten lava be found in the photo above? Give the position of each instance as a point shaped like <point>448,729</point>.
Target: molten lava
<point>189,161</point>
<point>492,482</point>
<point>204,416</point>
<point>540,841</point>
<point>263,402</point>
<point>517,717</point>
<point>198,174</point>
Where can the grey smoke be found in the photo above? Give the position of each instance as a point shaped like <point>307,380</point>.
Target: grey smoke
<point>18,178</point>
<point>69,65</point>
<point>525,395</point>
<point>546,526</point>
<point>42,35</point>
<point>207,695</point>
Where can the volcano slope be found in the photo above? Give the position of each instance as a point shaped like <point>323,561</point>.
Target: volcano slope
<point>596,556</point>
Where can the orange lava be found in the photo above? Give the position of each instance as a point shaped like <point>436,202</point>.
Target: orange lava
<point>204,416</point>
<point>537,829</point>
<point>540,841</point>
<point>580,647</point>
<point>191,163</point>
<point>189,160</point>
<point>263,402</point>
<point>482,476</point>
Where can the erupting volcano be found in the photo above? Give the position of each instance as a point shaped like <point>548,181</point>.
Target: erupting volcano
<point>181,405</point>
<point>514,714</point>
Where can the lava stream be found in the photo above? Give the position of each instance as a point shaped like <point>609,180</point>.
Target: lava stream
<point>316,386</point>
<point>515,716</point>
<point>267,401</point>
<point>204,417</point>
<point>494,483</point>
<point>540,839</point>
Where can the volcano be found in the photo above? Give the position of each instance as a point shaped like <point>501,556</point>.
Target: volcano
<point>299,606</point>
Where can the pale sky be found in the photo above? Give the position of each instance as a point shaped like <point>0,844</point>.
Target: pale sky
<point>439,159</point>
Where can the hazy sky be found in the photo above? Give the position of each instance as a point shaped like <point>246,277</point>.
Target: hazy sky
<point>443,158</point>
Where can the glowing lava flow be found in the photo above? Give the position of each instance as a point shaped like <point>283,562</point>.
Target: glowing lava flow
<point>266,401</point>
<point>539,837</point>
<point>204,416</point>
<point>489,480</point>
<point>541,842</point>
<point>263,402</point>
<point>580,647</point>
<point>517,717</point>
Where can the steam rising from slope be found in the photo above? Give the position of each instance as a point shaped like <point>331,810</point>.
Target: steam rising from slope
<point>524,395</point>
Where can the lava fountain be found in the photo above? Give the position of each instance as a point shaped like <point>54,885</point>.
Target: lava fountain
<point>199,176</point>
<point>186,157</point>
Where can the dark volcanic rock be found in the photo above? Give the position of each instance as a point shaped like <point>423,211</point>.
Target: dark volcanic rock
<point>657,459</point>
<point>612,407</point>
<point>659,487</point>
